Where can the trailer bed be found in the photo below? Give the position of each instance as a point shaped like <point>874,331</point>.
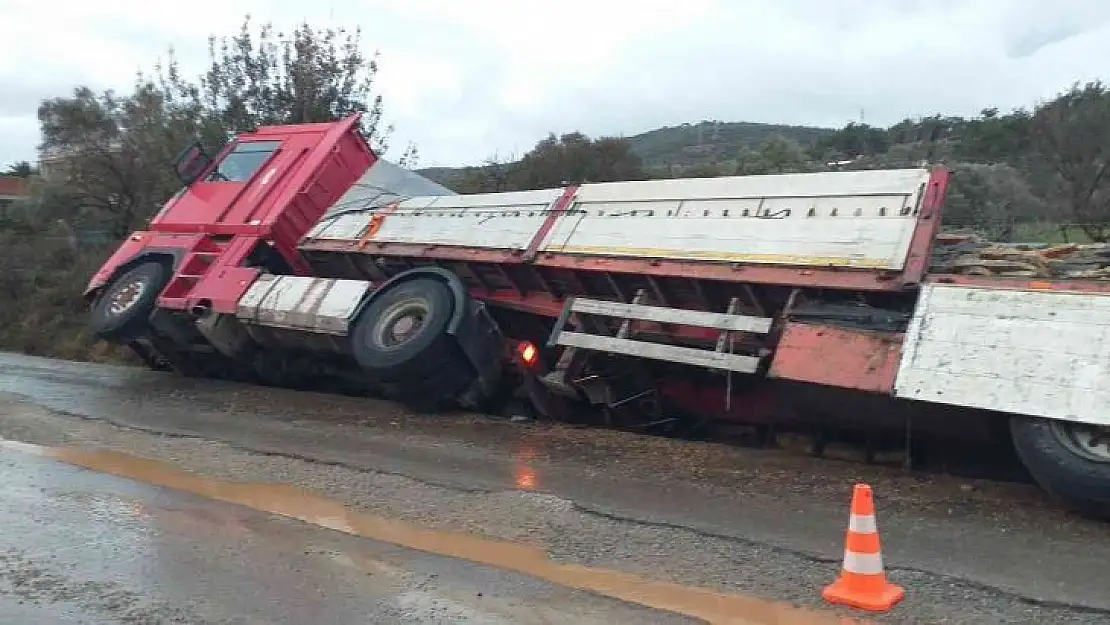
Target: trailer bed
<point>867,230</point>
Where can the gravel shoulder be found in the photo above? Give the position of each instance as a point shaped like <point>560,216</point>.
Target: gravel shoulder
<point>735,520</point>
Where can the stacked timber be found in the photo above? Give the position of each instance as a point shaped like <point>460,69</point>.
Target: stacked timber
<point>969,254</point>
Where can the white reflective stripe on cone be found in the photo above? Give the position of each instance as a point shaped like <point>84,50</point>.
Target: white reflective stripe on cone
<point>863,563</point>
<point>862,524</point>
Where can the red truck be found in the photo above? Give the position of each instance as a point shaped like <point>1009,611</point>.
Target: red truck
<point>296,254</point>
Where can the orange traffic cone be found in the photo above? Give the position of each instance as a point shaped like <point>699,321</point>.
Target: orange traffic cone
<point>862,583</point>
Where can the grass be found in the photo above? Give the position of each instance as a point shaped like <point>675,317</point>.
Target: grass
<point>41,285</point>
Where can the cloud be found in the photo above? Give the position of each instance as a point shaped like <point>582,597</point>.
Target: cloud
<point>465,80</point>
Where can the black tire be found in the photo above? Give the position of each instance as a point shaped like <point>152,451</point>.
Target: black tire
<point>424,367</point>
<point>1080,481</point>
<point>123,310</point>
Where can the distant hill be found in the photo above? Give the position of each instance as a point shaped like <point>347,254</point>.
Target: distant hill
<point>713,141</point>
<point>442,175</point>
<point>690,145</point>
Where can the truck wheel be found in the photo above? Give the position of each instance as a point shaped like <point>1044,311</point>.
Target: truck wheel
<point>400,340</point>
<point>125,306</point>
<point>1069,460</point>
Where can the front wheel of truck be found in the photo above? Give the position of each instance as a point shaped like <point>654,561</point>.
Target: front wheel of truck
<point>124,308</point>
<point>1069,460</point>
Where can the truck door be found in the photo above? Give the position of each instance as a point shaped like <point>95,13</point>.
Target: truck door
<point>239,191</point>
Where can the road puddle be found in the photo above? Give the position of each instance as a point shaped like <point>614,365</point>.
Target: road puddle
<point>296,503</point>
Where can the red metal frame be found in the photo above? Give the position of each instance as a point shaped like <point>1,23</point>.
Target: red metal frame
<point>818,277</point>
<point>929,219</point>
<point>561,205</point>
<point>821,277</point>
<point>544,304</point>
<point>1024,284</point>
<point>136,245</point>
<point>758,405</point>
<point>841,357</point>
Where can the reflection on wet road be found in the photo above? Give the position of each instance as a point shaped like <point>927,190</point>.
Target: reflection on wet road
<point>83,547</point>
<point>525,476</point>
<point>154,534</point>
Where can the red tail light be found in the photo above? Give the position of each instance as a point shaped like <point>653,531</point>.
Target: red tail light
<point>528,353</point>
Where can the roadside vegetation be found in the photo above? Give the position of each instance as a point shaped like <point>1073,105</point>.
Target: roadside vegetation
<point>1026,175</point>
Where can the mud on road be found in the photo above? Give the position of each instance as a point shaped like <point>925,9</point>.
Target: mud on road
<point>725,518</point>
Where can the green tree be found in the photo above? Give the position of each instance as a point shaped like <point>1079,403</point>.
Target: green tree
<point>1072,134</point>
<point>776,155</point>
<point>574,158</point>
<point>493,176</point>
<point>20,169</point>
<point>259,77</point>
<point>704,171</point>
<point>107,169</point>
<point>995,138</point>
<point>851,141</point>
<point>992,198</point>
<point>114,150</point>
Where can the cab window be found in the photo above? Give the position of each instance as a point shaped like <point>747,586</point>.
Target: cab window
<point>243,161</point>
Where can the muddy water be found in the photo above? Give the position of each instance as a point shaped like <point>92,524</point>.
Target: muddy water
<point>288,501</point>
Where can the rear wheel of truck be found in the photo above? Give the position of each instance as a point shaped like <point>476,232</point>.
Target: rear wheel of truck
<point>1069,460</point>
<point>124,309</point>
<point>401,340</point>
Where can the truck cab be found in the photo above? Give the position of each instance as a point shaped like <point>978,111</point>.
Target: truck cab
<point>239,211</point>
<point>171,292</point>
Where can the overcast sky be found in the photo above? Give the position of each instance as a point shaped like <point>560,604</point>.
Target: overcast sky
<point>466,79</point>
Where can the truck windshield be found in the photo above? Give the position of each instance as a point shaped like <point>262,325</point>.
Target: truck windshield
<point>243,161</point>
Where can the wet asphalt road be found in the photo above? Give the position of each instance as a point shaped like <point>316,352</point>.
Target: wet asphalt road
<point>735,520</point>
<point>83,547</point>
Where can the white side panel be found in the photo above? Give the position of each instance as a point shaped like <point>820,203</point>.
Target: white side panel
<point>492,220</point>
<point>340,224</point>
<point>322,305</point>
<point>862,219</point>
<point>344,226</point>
<point>1039,353</point>
<point>851,219</point>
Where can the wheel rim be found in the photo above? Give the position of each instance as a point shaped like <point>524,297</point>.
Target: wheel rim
<point>1091,442</point>
<point>400,323</point>
<point>127,297</point>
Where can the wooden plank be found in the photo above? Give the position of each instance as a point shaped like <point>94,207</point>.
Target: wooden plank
<point>656,351</point>
<point>677,316</point>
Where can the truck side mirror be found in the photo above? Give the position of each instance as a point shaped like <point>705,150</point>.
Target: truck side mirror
<point>191,163</point>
